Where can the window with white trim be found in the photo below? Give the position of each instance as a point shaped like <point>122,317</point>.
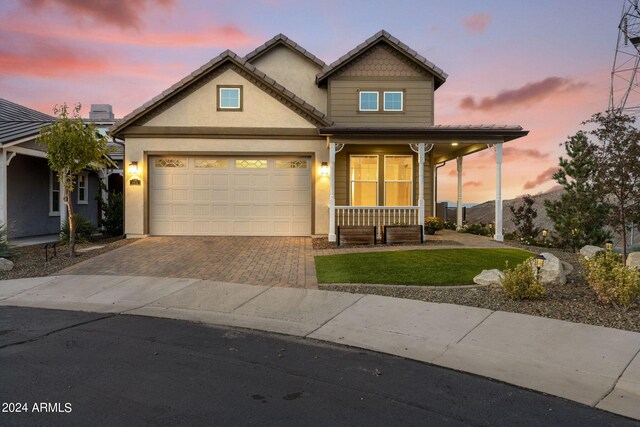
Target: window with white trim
<point>54,194</point>
<point>229,98</point>
<point>393,101</point>
<point>83,188</point>
<point>368,101</point>
<point>398,180</point>
<point>363,173</point>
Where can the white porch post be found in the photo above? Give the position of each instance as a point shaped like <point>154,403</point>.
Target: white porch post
<point>3,187</point>
<point>459,204</point>
<point>421,154</point>
<point>332,191</point>
<point>498,225</point>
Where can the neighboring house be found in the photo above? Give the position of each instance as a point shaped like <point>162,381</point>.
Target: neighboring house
<point>30,195</point>
<point>278,143</point>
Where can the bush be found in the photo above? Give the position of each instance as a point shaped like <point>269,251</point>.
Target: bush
<point>84,229</point>
<point>114,214</point>
<point>434,222</point>
<point>479,229</point>
<point>6,250</point>
<point>521,282</point>
<point>613,282</point>
<point>449,225</point>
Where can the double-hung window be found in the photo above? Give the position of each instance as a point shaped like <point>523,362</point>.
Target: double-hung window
<point>229,98</point>
<point>368,101</point>
<point>398,180</point>
<point>363,173</point>
<point>83,188</point>
<point>54,195</point>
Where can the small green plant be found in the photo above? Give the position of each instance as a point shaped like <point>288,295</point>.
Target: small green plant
<point>479,229</point>
<point>114,214</point>
<point>522,282</point>
<point>613,282</point>
<point>449,225</point>
<point>84,230</point>
<point>6,250</point>
<point>434,222</point>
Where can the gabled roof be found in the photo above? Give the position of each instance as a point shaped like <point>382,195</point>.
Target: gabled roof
<point>282,40</point>
<point>18,121</point>
<point>384,37</point>
<point>293,101</point>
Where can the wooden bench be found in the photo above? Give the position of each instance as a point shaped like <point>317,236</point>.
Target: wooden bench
<point>403,234</point>
<point>356,235</point>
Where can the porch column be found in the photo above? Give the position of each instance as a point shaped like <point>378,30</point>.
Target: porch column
<point>3,187</point>
<point>498,225</point>
<point>459,205</point>
<point>332,191</point>
<point>421,154</point>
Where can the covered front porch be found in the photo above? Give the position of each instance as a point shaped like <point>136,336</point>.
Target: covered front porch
<point>387,176</point>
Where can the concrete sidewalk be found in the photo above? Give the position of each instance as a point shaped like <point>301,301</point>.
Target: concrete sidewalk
<point>588,364</point>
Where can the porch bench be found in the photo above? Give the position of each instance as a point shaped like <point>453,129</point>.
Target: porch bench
<point>356,235</point>
<point>403,234</point>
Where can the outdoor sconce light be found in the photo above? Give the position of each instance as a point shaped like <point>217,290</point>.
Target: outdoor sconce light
<point>608,245</point>
<point>133,168</point>
<point>539,259</point>
<point>324,169</point>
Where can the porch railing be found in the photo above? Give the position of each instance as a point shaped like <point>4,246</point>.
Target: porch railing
<point>376,215</point>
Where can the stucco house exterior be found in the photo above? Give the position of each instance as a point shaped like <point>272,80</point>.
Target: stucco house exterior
<point>279,143</point>
<point>30,194</point>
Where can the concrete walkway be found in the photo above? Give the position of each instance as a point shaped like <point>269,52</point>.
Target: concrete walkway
<point>588,364</point>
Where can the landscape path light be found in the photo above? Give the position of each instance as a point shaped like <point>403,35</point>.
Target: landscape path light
<point>608,245</point>
<point>539,259</point>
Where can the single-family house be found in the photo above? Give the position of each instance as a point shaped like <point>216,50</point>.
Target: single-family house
<point>30,194</point>
<point>278,143</point>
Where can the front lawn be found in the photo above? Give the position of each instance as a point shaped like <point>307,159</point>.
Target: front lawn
<point>437,267</point>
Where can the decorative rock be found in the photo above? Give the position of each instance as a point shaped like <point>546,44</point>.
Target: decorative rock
<point>633,260</point>
<point>5,265</point>
<point>489,278</point>
<point>590,251</point>
<point>552,272</point>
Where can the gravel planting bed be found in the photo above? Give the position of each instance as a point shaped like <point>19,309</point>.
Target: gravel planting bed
<point>30,262</point>
<point>574,301</point>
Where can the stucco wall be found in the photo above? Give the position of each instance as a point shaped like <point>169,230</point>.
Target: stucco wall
<point>138,149</point>
<point>259,109</point>
<point>294,72</point>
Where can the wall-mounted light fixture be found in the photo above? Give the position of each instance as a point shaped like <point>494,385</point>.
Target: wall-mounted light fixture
<point>133,168</point>
<point>324,169</point>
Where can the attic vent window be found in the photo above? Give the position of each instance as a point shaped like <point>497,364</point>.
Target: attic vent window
<point>229,98</point>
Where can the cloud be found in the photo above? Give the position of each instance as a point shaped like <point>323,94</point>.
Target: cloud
<point>524,153</point>
<point>477,23</point>
<point>472,184</point>
<point>525,95</point>
<point>123,14</point>
<point>541,178</point>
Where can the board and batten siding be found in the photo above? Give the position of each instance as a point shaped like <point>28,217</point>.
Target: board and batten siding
<point>343,182</point>
<point>418,102</point>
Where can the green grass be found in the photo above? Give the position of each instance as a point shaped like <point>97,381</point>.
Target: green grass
<point>437,267</point>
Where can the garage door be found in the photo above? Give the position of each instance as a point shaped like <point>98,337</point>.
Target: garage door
<point>251,196</point>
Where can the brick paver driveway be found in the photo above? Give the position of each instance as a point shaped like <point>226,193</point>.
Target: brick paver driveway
<point>280,261</point>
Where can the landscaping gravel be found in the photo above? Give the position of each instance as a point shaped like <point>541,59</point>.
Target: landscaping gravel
<point>30,260</point>
<point>574,301</point>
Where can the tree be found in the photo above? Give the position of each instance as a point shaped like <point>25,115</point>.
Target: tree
<point>617,173</point>
<point>523,218</point>
<point>72,146</point>
<point>578,216</point>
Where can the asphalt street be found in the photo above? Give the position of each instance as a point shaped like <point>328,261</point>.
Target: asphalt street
<point>72,368</point>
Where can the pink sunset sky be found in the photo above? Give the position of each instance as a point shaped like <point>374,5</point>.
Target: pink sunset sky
<point>544,65</point>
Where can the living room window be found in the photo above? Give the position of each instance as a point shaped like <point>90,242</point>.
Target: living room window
<point>54,195</point>
<point>368,101</point>
<point>363,173</point>
<point>229,98</point>
<point>398,180</point>
<point>83,188</point>
<point>393,101</point>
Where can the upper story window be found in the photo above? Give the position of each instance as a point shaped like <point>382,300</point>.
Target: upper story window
<point>368,101</point>
<point>230,98</point>
<point>83,188</point>
<point>393,101</point>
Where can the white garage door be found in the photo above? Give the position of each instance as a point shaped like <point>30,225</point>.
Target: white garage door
<point>251,196</point>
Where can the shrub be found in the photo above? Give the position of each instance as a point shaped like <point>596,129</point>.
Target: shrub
<point>434,222</point>
<point>521,282</point>
<point>479,229</point>
<point>6,250</point>
<point>84,229</point>
<point>114,214</point>
<point>449,225</point>
<point>613,282</point>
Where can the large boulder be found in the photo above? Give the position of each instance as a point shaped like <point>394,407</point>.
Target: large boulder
<point>5,265</point>
<point>589,251</point>
<point>633,260</point>
<point>552,272</point>
<point>489,278</point>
